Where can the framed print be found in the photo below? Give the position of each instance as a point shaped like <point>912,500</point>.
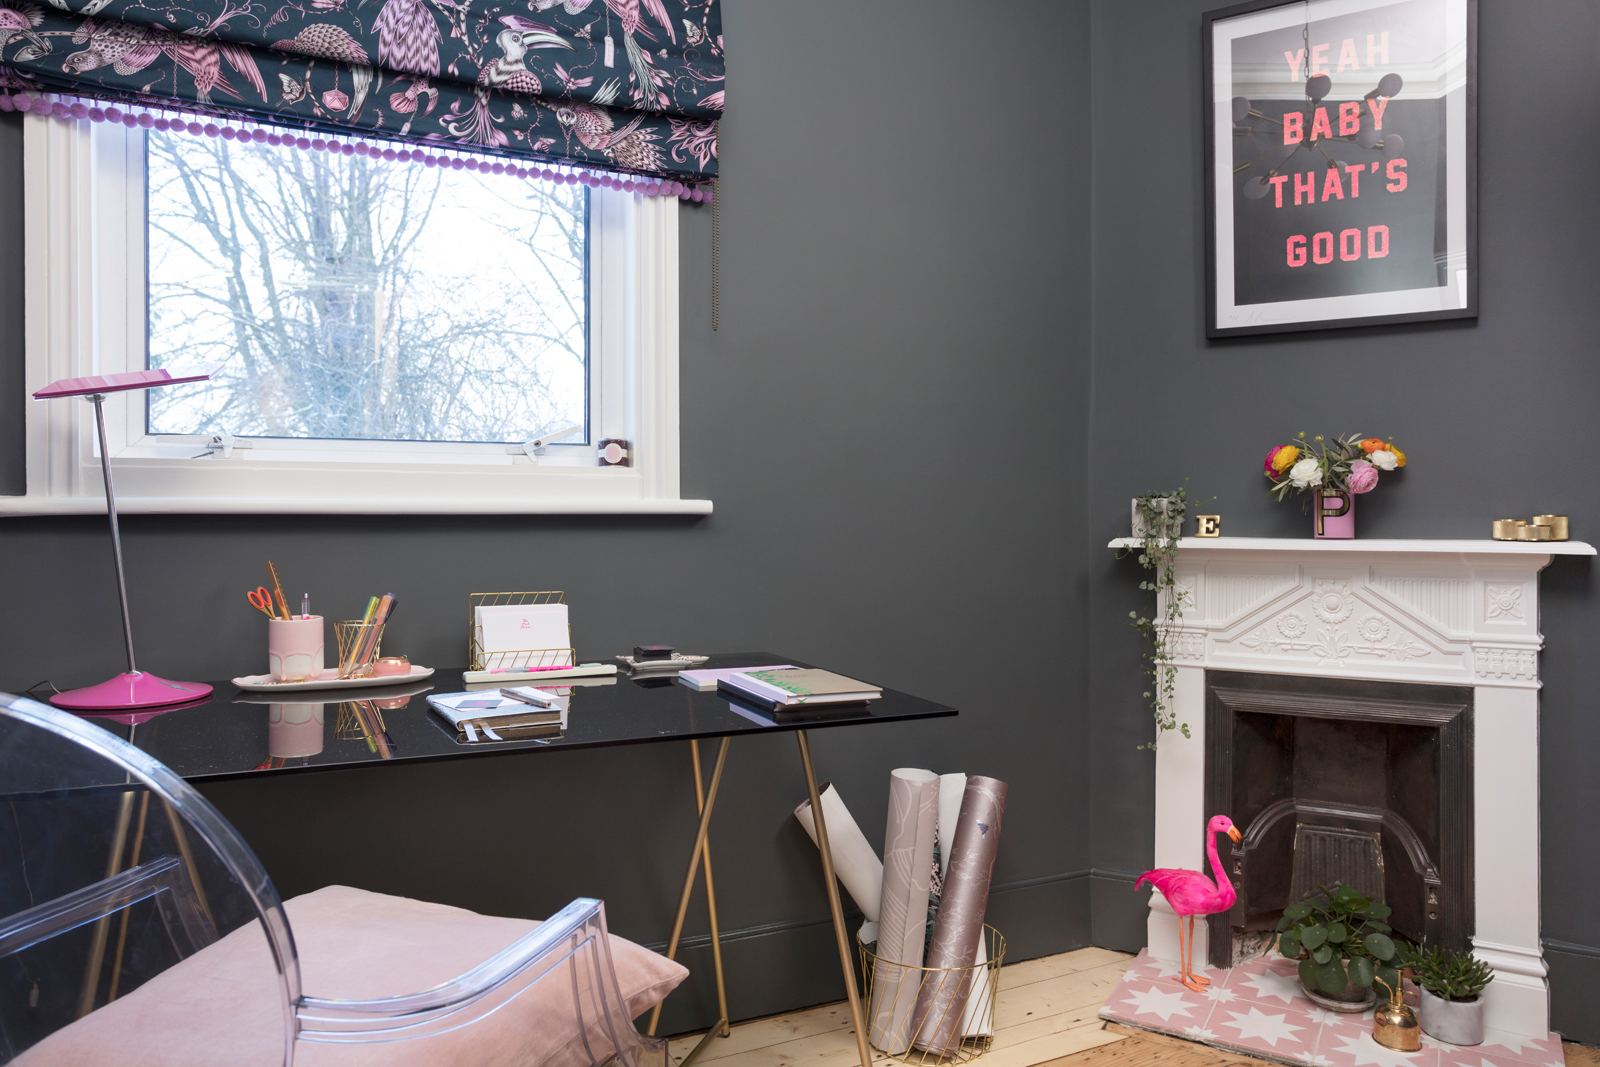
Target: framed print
<point>1341,164</point>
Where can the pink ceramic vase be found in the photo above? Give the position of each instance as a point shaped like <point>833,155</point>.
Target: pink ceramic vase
<point>1333,515</point>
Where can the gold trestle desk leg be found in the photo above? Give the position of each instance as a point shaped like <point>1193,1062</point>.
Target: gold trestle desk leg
<point>711,896</point>
<point>688,879</point>
<point>845,961</point>
<point>122,930</point>
<point>188,862</point>
<point>102,926</point>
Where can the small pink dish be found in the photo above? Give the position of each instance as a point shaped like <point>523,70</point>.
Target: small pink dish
<point>392,667</point>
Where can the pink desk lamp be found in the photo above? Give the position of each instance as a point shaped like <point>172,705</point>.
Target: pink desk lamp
<point>133,688</point>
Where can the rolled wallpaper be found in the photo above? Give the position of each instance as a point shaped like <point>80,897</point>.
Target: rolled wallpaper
<point>959,929</point>
<point>903,908</point>
<point>977,1018</point>
<point>854,860</point>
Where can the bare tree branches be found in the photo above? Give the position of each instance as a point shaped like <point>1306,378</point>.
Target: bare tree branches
<point>357,299</point>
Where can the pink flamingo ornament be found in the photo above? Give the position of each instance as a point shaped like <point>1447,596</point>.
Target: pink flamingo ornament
<point>1192,893</point>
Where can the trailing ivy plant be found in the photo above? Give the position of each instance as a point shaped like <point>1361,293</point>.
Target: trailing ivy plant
<point>1162,519</point>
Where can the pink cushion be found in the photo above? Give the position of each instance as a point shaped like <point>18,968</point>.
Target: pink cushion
<point>221,1006</point>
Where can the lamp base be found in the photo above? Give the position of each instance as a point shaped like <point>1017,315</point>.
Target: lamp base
<point>131,689</point>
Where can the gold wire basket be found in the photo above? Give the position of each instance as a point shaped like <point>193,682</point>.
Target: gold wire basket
<point>904,1004</point>
<point>521,659</point>
<point>358,646</point>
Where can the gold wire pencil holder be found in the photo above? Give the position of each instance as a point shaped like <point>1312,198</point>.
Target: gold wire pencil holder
<point>358,646</point>
<point>520,659</point>
<point>916,996</point>
<point>353,724</point>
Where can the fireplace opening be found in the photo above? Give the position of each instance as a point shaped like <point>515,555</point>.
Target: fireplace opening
<point>1341,782</point>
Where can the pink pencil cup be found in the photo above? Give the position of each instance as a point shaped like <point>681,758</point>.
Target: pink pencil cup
<point>294,648</point>
<point>294,729</point>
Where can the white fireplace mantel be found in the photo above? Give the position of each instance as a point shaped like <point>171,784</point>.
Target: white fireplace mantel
<point>1446,612</point>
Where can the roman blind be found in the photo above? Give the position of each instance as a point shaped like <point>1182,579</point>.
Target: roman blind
<point>631,87</point>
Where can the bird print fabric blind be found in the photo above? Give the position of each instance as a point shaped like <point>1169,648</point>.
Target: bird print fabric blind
<point>627,85</point>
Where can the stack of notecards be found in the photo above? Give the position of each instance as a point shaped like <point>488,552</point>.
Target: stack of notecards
<point>512,636</point>
<point>506,715</point>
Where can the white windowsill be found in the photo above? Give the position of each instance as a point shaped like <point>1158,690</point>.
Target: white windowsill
<point>155,505</point>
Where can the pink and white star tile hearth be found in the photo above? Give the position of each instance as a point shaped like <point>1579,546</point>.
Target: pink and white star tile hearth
<point>1258,1009</point>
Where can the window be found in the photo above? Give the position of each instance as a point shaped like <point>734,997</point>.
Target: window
<point>390,334</point>
<point>350,298</point>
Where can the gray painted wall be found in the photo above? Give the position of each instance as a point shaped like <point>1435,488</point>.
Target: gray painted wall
<point>890,422</point>
<point>1494,415</point>
<point>872,306</point>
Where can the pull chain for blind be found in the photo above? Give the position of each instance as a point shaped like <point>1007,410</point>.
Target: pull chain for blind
<point>716,239</point>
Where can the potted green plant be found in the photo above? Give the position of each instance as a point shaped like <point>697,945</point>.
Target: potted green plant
<point>1343,946</point>
<point>1452,993</point>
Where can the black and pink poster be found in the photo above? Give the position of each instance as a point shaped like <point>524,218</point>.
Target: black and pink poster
<point>1340,163</point>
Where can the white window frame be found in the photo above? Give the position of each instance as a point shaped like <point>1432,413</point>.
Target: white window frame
<point>85,304</point>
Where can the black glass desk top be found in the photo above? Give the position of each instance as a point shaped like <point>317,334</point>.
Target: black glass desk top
<point>237,734</point>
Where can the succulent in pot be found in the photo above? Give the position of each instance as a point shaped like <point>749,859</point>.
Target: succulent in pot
<point>1343,946</point>
<point>1452,982</point>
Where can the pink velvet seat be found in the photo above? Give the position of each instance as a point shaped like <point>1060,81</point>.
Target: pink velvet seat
<point>218,1007</point>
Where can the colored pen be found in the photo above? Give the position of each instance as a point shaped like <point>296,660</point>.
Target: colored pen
<point>305,605</point>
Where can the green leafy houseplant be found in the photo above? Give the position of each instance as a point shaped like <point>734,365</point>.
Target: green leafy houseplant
<point>1340,941</point>
<point>1161,523</point>
<point>1448,974</point>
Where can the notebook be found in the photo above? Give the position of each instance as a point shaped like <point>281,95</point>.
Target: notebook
<point>706,680</point>
<point>793,687</point>
<point>523,631</point>
<point>488,716</point>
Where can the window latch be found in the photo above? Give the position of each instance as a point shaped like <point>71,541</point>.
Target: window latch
<point>221,444</point>
<point>534,446</point>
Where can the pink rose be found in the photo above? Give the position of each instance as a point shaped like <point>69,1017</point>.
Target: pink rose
<point>1363,477</point>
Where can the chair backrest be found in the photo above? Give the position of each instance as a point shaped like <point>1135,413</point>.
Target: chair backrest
<point>112,870</point>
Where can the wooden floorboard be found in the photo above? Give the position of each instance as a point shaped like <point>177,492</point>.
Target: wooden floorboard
<point>1045,1009</point>
<point>1046,1015</point>
<point>1581,1055</point>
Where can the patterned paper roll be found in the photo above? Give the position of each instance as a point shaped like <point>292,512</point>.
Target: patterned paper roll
<point>959,929</point>
<point>976,1019</point>
<point>903,908</point>
<point>854,861</point>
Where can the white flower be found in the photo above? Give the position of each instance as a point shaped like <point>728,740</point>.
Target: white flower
<point>1383,459</point>
<point>1308,472</point>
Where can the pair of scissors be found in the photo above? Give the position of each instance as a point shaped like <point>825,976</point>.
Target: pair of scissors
<point>261,600</point>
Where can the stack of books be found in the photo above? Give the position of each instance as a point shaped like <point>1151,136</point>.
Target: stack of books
<point>796,689</point>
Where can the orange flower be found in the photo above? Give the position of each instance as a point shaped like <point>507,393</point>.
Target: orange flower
<point>1373,444</point>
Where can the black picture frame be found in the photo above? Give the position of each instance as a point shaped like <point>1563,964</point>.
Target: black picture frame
<point>1247,271</point>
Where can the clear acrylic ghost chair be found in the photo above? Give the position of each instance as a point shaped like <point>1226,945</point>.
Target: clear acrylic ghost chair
<point>114,872</point>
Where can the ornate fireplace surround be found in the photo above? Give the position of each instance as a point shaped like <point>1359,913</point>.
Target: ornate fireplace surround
<point>1442,613</point>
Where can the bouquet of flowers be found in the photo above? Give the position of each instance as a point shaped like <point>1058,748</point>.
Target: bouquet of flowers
<point>1342,465</point>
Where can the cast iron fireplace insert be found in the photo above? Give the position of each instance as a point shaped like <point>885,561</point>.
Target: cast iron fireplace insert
<point>1342,782</point>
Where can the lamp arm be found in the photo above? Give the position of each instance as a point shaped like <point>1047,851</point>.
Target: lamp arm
<point>98,400</point>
